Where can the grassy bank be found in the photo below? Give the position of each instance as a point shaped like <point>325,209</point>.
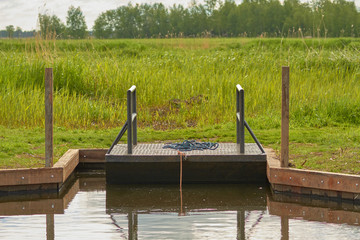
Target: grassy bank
<point>182,83</point>
<point>334,149</point>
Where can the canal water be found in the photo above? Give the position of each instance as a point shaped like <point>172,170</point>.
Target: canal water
<point>89,209</point>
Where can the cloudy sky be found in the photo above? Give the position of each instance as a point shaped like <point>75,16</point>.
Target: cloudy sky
<point>23,13</point>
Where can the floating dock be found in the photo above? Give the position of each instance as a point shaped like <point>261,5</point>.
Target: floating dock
<point>151,163</point>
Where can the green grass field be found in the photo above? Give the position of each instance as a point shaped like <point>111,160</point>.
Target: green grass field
<point>186,89</point>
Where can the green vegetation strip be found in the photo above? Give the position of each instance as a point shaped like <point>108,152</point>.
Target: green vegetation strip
<point>334,149</point>
<point>186,90</point>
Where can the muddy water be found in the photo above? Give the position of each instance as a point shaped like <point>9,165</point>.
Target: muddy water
<point>89,209</point>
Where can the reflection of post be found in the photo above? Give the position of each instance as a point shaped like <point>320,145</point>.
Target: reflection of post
<point>132,225</point>
<point>50,232</point>
<point>240,225</point>
<point>284,228</point>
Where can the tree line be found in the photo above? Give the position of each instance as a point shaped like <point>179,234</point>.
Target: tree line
<point>251,18</point>
<point>51,27</point>
<point>12,32</point>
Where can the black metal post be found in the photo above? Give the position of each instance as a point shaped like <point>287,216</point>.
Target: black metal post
<point>240,118</point>
<point>130,125</point>
<point>135,117</point>
<point>240,225</point>
<point>237,116</point>
<point>118,137</point>
<point>132,226</point>
<point>254,137</point>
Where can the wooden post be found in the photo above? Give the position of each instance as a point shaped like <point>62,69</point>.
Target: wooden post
<point>284,157</point>
<point>284,228</point>
<point>50,227</point>
<point>49,117</point>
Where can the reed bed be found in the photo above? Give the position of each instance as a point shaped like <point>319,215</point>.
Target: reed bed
<point>181,82</point>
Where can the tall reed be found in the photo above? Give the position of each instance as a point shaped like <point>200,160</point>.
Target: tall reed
<point>180,82</point>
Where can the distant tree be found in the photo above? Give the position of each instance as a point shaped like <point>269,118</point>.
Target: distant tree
<point>128,21</point>
<point>177,16</point>
<point>44,24</point>
<point>10,30</point>
<point>18,32</point>
<point>297,16</point>
<point>75,23</point>
<point>58,26</point>
<point>159,22</point>
<point>340,9</point>
<point>104,25</point>
<point>51,26</point>
<point>210,5</point>
<point>224,20</point>
<point>197,21</point>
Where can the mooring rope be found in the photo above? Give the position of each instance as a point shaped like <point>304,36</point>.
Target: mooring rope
<point>190,145</point>
<point>181,154</point>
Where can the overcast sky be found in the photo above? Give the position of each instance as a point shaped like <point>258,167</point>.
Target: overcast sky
<point>23,13</point>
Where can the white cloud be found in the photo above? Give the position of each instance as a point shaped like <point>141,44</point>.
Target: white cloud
<point>24,13</point>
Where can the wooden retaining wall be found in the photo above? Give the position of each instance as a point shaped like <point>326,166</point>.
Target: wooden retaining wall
<point>48,178</point>
<point>313,183</point>
<point>282,180</point>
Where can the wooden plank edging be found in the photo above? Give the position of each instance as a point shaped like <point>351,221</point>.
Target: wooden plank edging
<point>276,175</point>
<point>68,163</point>
<point>57,174</point>
<point>310,178</point>
<point>13,177</point>
<point>47,175</point>
<point>92,155</point>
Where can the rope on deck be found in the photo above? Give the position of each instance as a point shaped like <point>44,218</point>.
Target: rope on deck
<point>190,145</point>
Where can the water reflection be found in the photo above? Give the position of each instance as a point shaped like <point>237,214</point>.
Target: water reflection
<point>92,210</point>
<point>314,209</point>
<point>50,228</point>
<point>195,207</point>
<point>284,228</point>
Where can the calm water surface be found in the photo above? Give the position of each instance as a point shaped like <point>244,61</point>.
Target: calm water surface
<point>91,210</point>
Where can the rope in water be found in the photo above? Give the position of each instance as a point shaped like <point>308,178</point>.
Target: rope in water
<point>182,155</point>
<point>190,145</point>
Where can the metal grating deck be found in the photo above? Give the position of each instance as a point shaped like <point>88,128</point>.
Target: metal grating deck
<point>226,152</point>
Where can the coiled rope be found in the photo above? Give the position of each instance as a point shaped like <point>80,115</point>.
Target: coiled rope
<point>190,145</point>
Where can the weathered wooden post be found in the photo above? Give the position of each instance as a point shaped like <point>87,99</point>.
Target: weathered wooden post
<point>49,117</point>
<point>284,228</point>
<point>50,227</point>
<point>284,157</point>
